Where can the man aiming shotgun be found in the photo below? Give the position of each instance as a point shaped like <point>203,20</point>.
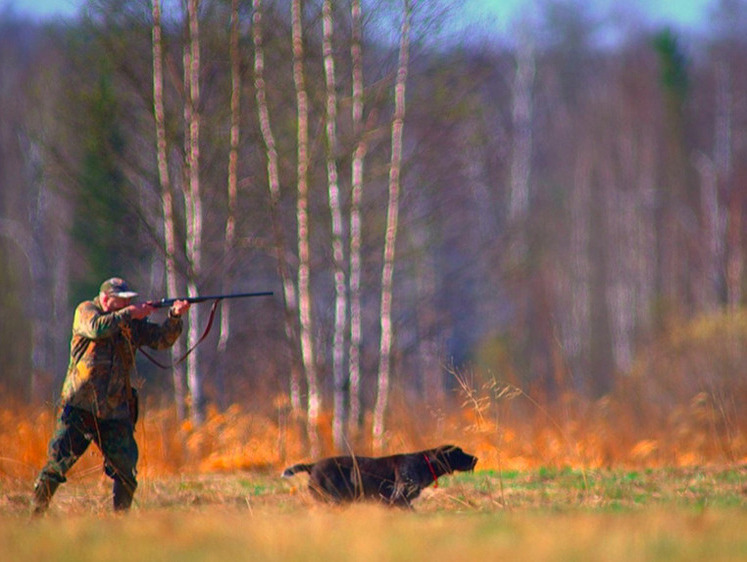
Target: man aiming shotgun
<point>98,402</point>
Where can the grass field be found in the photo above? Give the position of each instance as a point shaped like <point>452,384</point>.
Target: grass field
<point>542,514</point>
<point>663,481</point>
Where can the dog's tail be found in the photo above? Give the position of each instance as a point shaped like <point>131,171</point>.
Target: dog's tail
<point>300,467</point>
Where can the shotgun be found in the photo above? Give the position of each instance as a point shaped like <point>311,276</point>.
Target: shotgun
<point>162,303</point>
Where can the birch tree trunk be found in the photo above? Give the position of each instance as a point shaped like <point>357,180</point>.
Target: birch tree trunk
<point>713,238</point>
<point>354,374</point>
<point>232,195</point>
<point>167,199</point>
<point>45,252</point>
<point>735,253</point>
<point>392,218</point>
<point>578,332</point>
<point>338,346</point>
<point>304,290</point>
<point>193,201</point>
<point>521,156</point>
<point>273,181</point>
<point>630,219</point>
<point>23,237</point>
<point>723,159</point>
<point>526,300</point>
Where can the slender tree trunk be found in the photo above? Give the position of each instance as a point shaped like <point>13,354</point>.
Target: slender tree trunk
<point>273,181</point>
<point>354,373</point>
<point>42,264</point>
<point>338,347</point>
<point>632,265</point>
<point>735,252</point>
<point>304,289</point>
<point>193,201</point>
<point>60,286</point>
<point>521,156</point>
<point>732,248</point>
<point>23,237</point>
<point>713,256</point>
<point>578,333</point>
<point>387,274</point>
<point>232,195</point>
<point>167,199</point>
<point>527,295</point>
<point>601,365</point>
<point>429,374</point>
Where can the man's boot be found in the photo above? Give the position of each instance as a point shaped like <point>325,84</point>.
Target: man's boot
<point>44,489</point>
<point>122,496</point>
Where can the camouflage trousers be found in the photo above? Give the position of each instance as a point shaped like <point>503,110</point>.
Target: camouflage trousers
<point>75,431</point>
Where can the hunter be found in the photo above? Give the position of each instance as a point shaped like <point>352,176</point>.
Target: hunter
<point>98,402</point>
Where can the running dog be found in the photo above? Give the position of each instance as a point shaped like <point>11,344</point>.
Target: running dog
<point>393,480</point>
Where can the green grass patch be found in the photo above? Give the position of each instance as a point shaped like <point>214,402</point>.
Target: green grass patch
<point>545,514</point>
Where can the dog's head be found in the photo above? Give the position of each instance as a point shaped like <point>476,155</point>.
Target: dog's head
<point>451,458</point>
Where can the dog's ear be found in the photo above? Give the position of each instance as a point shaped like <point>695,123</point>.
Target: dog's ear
<point>445,453</point>
<point>450,450</point>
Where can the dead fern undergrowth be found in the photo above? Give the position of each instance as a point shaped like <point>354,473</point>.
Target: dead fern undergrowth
<point>500,423</point>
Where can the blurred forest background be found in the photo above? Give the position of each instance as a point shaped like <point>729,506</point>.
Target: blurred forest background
<point>444,218</point>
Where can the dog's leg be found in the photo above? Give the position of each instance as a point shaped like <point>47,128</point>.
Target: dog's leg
<point>401,492</point>
<point>400,497</point>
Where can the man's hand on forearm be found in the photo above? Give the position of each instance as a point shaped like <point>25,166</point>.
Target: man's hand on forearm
<point>140,310</point>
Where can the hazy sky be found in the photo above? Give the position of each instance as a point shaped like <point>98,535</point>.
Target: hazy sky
<point>679,12</point>
<point>686,13</point>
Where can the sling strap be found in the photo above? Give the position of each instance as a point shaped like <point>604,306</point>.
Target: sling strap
<point>156,362</point>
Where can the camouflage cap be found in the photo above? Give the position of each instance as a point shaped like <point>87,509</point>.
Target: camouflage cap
<point>116,287</point>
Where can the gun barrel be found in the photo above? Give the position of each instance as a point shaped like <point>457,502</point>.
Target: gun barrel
<point>161,303</point>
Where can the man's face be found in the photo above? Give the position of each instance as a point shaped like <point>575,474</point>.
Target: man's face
<point>110,304</point>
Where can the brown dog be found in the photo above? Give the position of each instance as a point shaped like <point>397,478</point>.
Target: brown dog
<point>394,480</point>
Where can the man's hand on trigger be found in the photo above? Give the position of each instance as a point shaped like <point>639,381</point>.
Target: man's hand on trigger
<point>140,310</point>
<point>179,308</point>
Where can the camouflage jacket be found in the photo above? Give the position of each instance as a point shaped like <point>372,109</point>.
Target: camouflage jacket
<point>102,357</point>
